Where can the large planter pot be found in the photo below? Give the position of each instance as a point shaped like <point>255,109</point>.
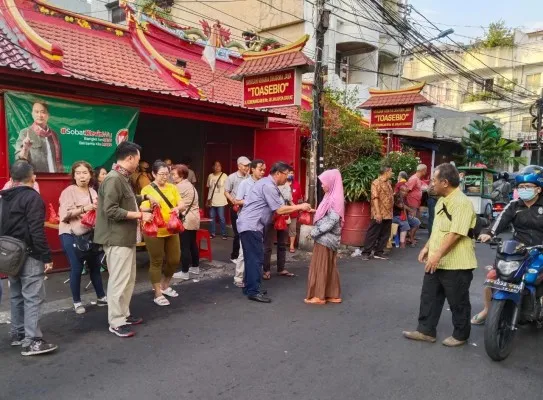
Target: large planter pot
<point>357,222</point>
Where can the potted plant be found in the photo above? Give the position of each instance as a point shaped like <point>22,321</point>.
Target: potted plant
<point>357,179</point>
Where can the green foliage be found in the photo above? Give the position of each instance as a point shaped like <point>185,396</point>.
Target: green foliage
<point>485,144</point>
<point>402,161</point>
<point>357,178</point>
<point>156,8</point>
<point>346,139</point>
<point>481,96</point>
<point>498,35</point>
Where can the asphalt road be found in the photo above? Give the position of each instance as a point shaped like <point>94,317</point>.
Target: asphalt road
<point>214,344</point>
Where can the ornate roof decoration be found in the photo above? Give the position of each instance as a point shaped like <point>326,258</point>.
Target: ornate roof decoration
<point>390,98</point>
<point>49,50</point>
<point>274,60</point>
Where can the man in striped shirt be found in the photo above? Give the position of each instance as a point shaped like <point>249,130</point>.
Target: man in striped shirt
<point>449,259</point>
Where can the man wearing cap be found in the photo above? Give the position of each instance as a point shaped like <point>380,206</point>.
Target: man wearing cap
<point>230,190</point>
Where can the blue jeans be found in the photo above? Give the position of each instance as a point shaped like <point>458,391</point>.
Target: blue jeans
<point>253,251</point>
<point>76,259</point>
<point>213,212</point>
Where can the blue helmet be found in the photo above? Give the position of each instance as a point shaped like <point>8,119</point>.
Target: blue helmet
<point>531,174</point>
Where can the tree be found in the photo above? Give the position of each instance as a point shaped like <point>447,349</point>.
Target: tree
<point>485,144</point>
<point>346,139</point>
<point>498,35</point>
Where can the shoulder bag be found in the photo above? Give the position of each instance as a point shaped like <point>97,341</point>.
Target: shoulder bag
<point>209,201</point>
<point>13,252</point>
<point>84,243</point>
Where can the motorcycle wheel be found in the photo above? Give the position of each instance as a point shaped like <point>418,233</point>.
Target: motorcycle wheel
<point>498,334</point>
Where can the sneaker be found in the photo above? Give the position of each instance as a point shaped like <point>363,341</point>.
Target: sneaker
<point>380,256</point>
<point>181,275</point>
<point>79,309</point>
<point>233,260</point>
<point>101,302</point>
<point>194,270</point>
<point>38,346</point>
<point>122,331</point>
<point>366,257</point>
<point>134,320</point>
<point>225,238</point>
<point>17,339</point>
<point>212,236</point>
<point>239,284</point>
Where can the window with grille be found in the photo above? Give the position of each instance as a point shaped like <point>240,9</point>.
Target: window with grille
<point>116,13</point>
<point>526,124</point>
<point>533,82</point>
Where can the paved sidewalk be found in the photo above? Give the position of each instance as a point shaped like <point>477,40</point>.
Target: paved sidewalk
<point>59,295</point>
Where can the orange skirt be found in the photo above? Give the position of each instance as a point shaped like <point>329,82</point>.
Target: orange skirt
<point>323,279</point>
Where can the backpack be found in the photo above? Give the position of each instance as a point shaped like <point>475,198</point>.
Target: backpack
<point>13,252</point>
<point>497,193</point>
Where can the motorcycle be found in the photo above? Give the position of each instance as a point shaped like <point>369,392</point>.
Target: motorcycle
<point>517,295</point>
<point>497,209</point>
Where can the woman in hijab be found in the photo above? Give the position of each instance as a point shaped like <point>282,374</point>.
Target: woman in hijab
<point>323,282</point>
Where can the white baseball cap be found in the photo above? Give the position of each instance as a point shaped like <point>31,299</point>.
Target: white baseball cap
<point>243,160</point>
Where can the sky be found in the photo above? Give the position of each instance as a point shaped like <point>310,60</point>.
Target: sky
<point>467,16</point>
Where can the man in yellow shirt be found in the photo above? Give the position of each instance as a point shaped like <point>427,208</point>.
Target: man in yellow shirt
<point>449,258</point>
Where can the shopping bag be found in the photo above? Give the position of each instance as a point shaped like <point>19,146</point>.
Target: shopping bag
<point>157,217</point>
<point>53,216</point>
<point>150,229</point>
<point>280,222</point>
<point>305,218</point>
<point>174,224</point>
<point>89,219</point>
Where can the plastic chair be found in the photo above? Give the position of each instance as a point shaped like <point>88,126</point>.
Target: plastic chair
<point>203,234</point>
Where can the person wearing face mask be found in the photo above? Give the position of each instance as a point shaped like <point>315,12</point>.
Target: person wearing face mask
<point>526,216</point>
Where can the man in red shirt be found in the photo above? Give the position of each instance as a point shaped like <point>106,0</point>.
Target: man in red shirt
<point>414,196</point>
<point>414,184</point>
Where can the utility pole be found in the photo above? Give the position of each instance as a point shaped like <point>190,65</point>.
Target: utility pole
<point>537,113</point>
<point>317,134</point>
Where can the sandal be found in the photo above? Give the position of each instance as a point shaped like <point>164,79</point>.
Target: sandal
<point>292,250</point>
<point>161,301</point>
<point>335,300</point>
<point>266,276</point>
<point>315,300</point>
<point>286,274</point>
<point>477,320</point>
<point>170,292</point>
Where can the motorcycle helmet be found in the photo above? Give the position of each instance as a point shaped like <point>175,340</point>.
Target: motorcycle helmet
<point>531,174</point>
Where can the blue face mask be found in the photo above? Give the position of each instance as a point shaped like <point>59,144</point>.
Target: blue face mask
<point>527,194</point>
<point>290,178</point>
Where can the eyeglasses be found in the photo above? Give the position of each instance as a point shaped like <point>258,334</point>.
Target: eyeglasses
<point>527,187</point>
<point>163,174</point>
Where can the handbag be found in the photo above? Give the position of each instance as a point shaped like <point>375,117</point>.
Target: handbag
<point>84,243</point>
<point>208,203</point>
<point>13,252</point>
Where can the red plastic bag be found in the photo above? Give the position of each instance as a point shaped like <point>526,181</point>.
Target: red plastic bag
<point>53,216</point>
<point>89,219</point>
<point>235,207</point>
<point>280,222</point>
<point>157,217</point>
<point>305,218</point>
<point>150,229</point>
<point>174,224</point>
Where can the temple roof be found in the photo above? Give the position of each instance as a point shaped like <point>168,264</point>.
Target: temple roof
<point>393,98</point>
<point>291,56</point>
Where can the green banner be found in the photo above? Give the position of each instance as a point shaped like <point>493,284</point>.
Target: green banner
<point>52,133</point>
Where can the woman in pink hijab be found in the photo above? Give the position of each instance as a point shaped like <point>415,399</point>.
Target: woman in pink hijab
<point>323,282</point>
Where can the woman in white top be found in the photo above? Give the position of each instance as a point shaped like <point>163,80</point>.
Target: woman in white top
<point>216,200</point>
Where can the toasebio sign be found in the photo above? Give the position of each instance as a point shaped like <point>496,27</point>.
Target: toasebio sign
<point>276,89</point>
<point>392,118</point>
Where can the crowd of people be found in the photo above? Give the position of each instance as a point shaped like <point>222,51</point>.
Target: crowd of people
<point>128,196</point>
<point>263,208</point>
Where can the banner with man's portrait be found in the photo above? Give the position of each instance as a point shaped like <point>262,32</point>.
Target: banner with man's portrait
<point>52,133</point>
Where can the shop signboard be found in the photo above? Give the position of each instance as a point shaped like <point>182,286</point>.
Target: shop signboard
<point>392,118</point>
<point>276,89</point>
<point>53,133</point>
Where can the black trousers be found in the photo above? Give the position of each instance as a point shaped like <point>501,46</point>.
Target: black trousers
<point>377,237</point>
<point>282,241</point>
<point>190,255</point>
<point>236,244</point>
<point>453,286</point>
